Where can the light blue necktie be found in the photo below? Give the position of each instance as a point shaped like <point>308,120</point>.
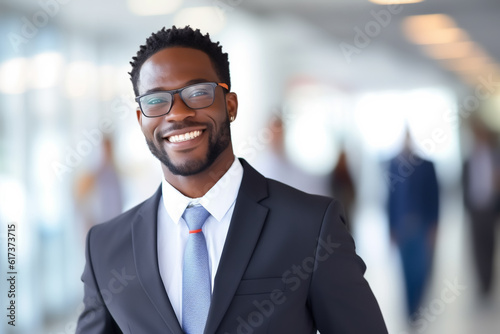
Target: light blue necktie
<point>196,292</point>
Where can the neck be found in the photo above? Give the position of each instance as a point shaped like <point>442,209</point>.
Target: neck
<point>198,185</point>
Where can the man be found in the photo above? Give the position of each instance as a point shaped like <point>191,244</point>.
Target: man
<point>413,210</point>
<point>268,259</point>
<point>480,195</point>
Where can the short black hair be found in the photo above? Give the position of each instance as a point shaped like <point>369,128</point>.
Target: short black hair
<point>183,37</point>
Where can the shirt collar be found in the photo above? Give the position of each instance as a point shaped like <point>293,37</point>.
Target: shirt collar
<point>216,201</point>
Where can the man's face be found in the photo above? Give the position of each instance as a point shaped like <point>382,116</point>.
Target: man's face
<point>207,128</point>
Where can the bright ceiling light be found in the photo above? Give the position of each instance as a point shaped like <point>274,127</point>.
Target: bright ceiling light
<point>13,76</point>
<point>431,22</point>
<point>153,7</point>
<point>439,36</point>
<point>209,19</point>
<point>395,2</point>
<point>441,39</point>
<point>451,50</point>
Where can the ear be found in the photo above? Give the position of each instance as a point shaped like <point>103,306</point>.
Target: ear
<point>232,105</point>
<point>139,115</point>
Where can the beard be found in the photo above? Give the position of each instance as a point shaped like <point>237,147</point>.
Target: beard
<point>217,143</point>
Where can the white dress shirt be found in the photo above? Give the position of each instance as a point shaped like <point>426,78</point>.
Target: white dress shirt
<point>173,231</point>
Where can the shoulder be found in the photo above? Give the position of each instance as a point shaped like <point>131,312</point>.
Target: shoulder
<point>277,195</point>
<point>290,204</point>
<point>304,218</point>
<point>285,193</point>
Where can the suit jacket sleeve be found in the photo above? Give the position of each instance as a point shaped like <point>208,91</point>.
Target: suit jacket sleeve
<point>95,318</point>
<point>340,298</point>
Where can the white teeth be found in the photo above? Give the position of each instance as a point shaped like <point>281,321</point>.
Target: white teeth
<point>184,136</point>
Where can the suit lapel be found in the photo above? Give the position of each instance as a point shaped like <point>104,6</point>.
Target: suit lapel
<point>144,237</point>
<point>244,231</point>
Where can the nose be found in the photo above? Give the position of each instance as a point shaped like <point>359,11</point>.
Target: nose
<point>179,110</point>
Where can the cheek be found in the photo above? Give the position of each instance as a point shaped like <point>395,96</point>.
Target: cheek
<point>217,122</point>
<point>148,127</point>
<point>219,115</point>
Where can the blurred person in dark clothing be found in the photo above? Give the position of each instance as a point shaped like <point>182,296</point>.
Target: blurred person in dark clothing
<point>342,185</point>
<point>413,206</point>
<point>480,189</point>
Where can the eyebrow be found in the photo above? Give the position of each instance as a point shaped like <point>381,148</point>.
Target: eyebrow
<point>189,83</point>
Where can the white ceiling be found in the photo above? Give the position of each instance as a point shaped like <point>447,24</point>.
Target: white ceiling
<point>480,18</point>
<point>111,19</point>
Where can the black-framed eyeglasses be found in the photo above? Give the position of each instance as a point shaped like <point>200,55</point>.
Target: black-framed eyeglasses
<point>196,96</point>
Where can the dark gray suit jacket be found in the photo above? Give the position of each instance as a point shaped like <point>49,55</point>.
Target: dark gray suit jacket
<point>288,266</point>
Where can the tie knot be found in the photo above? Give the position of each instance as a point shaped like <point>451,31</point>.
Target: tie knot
<point>195,217</point>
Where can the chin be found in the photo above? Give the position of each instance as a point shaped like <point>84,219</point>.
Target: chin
<point>187,168</point>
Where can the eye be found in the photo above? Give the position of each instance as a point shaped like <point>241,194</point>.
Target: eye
<point>155,100</point>
<point>198,92</point>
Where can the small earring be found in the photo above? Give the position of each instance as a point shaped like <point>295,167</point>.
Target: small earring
<point>232,118</point>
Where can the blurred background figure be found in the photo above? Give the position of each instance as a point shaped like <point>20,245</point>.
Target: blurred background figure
<point>481,199</point>
<point>342,186</point>
<point>273,162</point>
<point>99,192</point>
<point>413,206</point>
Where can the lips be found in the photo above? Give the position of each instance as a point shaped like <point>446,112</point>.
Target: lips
<point>182,137</point>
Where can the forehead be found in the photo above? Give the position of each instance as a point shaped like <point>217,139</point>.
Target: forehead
<point>173,67</point>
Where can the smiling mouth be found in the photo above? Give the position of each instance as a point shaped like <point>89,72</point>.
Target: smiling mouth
<point>184,137</point>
